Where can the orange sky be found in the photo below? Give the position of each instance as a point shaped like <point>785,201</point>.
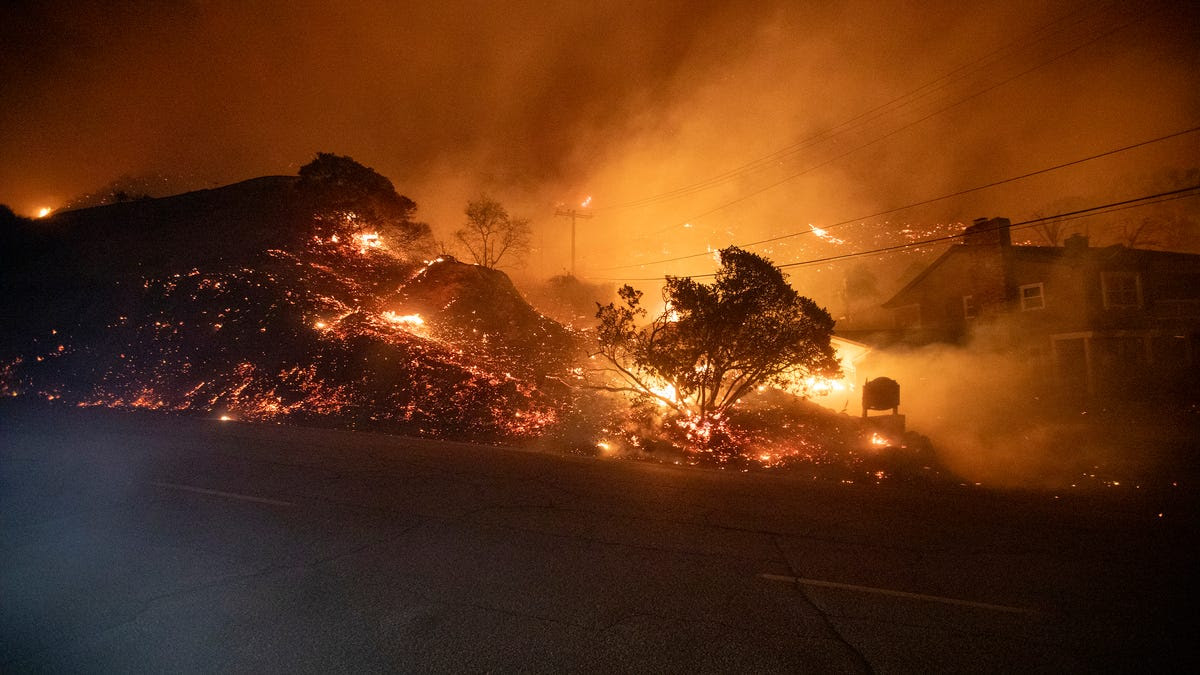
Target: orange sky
<point>543,103</point>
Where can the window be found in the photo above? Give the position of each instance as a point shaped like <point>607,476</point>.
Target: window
<point>1121,290</point>
<point>970,311</point>
<point>1032,297</point>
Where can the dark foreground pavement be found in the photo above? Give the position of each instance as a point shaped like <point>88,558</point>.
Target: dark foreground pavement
<point>143,543</point>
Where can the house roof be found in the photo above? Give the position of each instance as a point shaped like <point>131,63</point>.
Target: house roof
<point>920,278</point>
<point>1106,255</point>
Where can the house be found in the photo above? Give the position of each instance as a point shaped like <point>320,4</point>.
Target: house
<point>1108,321</point>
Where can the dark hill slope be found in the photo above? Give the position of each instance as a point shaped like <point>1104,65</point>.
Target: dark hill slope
<point>481,309</point>
<point>75,264</point>
<point>152,234</point>
<point>258,300</point>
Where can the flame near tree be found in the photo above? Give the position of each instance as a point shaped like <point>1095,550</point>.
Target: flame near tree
<point>713,344</point>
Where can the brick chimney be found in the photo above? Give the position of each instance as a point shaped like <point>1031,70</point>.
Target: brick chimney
<point>988,232</point>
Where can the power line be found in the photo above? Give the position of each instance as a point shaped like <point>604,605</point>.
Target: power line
<point>1026,224</point>
<point>902,127</point>
<point>924,202</point>
<point>872,114</point>
<point>1136,202</point>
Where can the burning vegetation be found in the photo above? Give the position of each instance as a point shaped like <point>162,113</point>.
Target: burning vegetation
<point>310,328</point>
<point>313,305</point>
<point>720,377</point>
<point>713,345</point>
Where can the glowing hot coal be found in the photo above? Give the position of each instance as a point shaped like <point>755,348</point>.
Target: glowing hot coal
<point>410,320</point>
<point>365,241</point>
<point>300,335</point>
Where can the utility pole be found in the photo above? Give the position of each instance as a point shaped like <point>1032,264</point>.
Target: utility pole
<point>572,214</point>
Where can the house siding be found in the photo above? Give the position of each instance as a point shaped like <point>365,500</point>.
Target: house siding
<point>1145,337</point>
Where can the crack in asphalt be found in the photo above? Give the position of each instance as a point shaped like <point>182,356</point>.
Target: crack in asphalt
<point>825,617</point>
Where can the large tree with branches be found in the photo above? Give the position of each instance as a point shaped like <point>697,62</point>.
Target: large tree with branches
<point>348,196</point>
<point>713,344</point>
<point>491,234</point>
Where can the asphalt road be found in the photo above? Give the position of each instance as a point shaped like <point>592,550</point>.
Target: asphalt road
<point>146,543</point>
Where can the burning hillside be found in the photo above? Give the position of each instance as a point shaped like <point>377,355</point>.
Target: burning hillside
<point>472,305</point>
<point>295,319</point>
<point>306,300</point>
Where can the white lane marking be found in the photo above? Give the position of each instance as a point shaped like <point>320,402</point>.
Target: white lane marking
<point>218,493</point>
<point>898,594</point>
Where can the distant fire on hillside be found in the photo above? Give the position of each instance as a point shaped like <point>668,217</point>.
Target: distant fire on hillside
<point>303,337</point>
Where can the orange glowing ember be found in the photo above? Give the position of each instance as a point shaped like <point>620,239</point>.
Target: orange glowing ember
<point>404,319</point>
<point>289,331</point>
<point>367,241</point>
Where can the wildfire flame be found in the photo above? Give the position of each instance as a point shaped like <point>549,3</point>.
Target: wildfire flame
<point>672,314</point>
<point>44,211</point>
<point>822,385</point>
<point>329,289</point>
<point>586,202</point>
<point>406,320</point>
<point>824,234</point>
<point>665,390</point>
<point>367,240</point>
